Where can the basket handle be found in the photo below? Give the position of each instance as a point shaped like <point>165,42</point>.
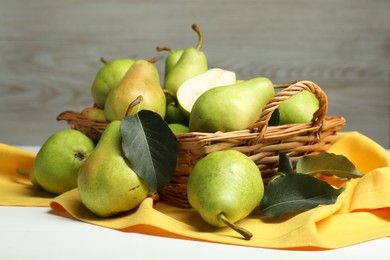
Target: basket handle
<point>261,124</point>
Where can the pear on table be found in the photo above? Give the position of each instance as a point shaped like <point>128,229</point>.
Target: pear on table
<point>225,187</point>
<point>58,161</point>
<point>106,182</point>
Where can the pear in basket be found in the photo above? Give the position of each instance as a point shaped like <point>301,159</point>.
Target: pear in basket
<point>171,59</point>
<point>298,108</point>
<point>192,88</point>
<point>232,107</point>
<point>178,128</point>
<point>192,62</point>
<point>106,182</point>
<point>94,113</point>
<point>170,62</point>
<point>107,78</point>
<point>142,79</point>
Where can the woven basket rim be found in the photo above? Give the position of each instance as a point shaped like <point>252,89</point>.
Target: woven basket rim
<point>255,131</point>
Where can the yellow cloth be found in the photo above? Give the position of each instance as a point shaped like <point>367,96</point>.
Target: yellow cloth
<point>15,188</point>
<point>361,213</point>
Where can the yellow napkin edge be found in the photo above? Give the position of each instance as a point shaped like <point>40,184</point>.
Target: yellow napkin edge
<point>344,137</point>
<point>12,158</point>
<point>356,146</point>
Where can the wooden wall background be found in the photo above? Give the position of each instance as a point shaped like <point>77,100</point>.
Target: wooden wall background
<point>50,51</point>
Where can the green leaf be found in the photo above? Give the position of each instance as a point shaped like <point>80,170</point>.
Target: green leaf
<point>296,192</point>
<point>151,148</point>
<point>328,164</point>
<point>275,118</point>
<point>285,164</point>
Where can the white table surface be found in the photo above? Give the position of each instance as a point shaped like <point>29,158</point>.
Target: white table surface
<point>38,233</point>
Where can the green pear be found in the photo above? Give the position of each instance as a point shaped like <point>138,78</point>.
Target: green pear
<point>192,62</point>
<point>142,79</point>
<point>192,88</point>
<point>57,163</point>
<point>171,59</point>
<point>231,108</point>
<point>94,113</point>
<point>225,187</point>
<point>174,114</point>
<point>298,108</point>
<point>106,182</point>
<point>107,78</point>
<point>178,128</point>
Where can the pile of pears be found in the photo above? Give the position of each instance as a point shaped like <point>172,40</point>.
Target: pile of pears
<point>192,97</point>
<point>224,186</point>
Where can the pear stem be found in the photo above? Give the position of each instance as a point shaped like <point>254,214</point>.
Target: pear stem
<point>285,85</point>
<point>245,233</point>
<point>200,34</point>
<point>135,102</point>
<point>104,60</point>
<point>154,195</point>
<point>153,60</point>
<point>22,172</point>
<point>164,48</point>
<point>173,96</point>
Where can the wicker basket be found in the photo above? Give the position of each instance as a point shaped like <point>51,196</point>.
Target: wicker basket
<point>260,142</point>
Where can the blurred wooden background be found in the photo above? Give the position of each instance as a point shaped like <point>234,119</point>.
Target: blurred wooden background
<point>50,51</point>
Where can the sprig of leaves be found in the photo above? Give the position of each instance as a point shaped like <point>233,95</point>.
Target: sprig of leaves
<point>296,189</point>
<point>296,192</point>
<point>151,148</point>
<point>328,164</point>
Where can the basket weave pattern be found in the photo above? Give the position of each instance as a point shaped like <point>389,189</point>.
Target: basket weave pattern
<point>262,143</point>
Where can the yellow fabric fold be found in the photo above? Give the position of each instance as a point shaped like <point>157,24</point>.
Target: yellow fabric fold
<point>361,213</point>
<point>362,151</point>
<point>15,188</point>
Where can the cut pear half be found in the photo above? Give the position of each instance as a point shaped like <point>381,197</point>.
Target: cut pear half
<point>192,88</point>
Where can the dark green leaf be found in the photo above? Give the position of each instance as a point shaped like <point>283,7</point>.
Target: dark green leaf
<point>296,192</point>
<point>328,164</point>
<point>285,164</point>
<point>151,148</point>
<point>275,118</point>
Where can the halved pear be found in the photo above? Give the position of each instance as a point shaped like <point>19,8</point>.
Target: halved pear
<point>192,88</point>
